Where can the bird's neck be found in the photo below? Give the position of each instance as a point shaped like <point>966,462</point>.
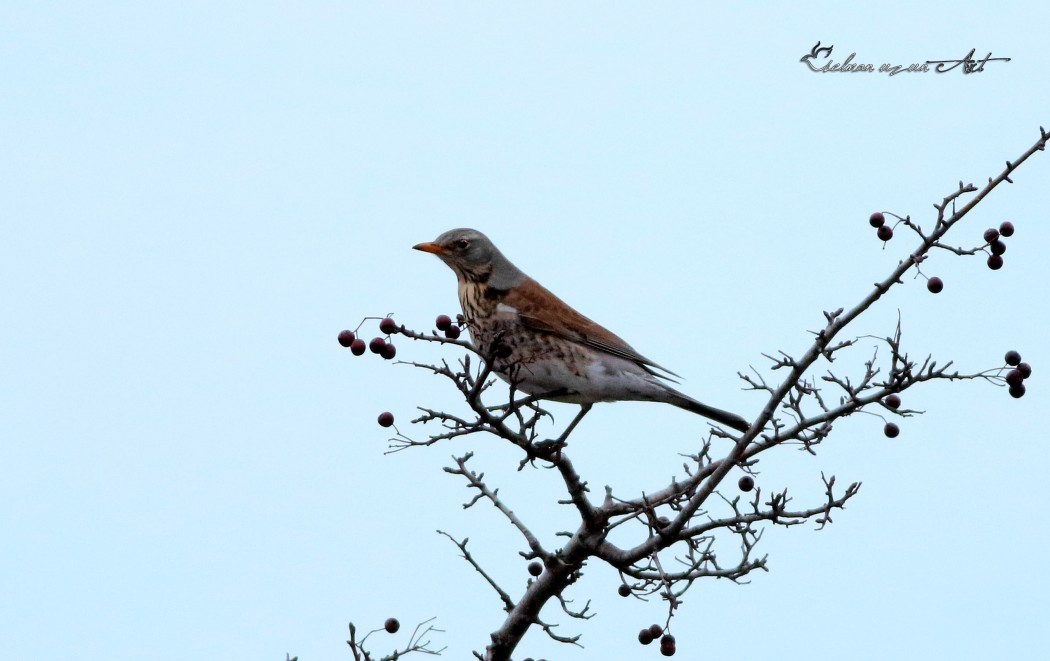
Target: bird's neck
<point>478,298</point>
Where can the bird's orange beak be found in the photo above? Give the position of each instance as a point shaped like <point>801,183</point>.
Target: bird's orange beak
<point>429,247</point>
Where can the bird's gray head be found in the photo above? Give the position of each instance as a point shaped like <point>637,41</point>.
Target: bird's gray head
<point>473,257</point>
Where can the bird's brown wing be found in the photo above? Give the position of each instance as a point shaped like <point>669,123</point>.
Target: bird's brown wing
<point>541,310</point>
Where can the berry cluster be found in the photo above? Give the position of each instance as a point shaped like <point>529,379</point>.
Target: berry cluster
<point>377,345</point>
<point>891,401</point>
<point>651,633</point>
<point>882,230</point>
<point>451,330</point>
<point>994,238</point>
<point>1015,378</point>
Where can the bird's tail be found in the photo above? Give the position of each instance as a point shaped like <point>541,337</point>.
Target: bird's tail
<point>718,415</point>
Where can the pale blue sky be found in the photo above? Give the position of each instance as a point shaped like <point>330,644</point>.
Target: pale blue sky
<point>196,197</point>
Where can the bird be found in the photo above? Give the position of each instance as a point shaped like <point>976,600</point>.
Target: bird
<point>544,347</point>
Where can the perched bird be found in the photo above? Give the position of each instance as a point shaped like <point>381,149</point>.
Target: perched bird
<point>544,347</point>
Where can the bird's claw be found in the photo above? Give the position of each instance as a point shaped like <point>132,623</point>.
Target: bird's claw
<point>549,447</point>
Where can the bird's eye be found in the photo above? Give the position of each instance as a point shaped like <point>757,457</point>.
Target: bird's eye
<point>462,244</point>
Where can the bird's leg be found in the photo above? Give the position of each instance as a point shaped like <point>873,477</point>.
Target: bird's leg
<point>551,445</point>
<point>584,408</point>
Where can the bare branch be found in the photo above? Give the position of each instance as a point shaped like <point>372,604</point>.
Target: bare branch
<point>475,481</point>
<point>508,603</point>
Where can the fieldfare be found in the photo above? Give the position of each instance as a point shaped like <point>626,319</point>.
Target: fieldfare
<point>542,346</point>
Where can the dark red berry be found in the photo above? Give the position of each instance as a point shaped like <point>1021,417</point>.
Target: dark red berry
<point>388,351</point>
<point>391,625</point>
<point>935,285</point>
<point>885,233</point>
<point>1007,229</point>
<point>746,483</point>
<point>892,430</point>
<point>1013,358</point>
<point>663,522</point>
<point>656,630</point>
<point>892,401</point>
<point>535,568</point>
<point>452,332</point>
<point>877,219</point>
<point>346,338</point>
<point>995,262</point>
<point>668,639</point>
<point>644,637</point>
<point>442,322</point>
<point>388,325</point>
<point>998,247</point>
<point>1025,369</point>
<point>667,650</point>
<point>386,418</point>
<point>1014,377</point>
<point>357,347</point>
<point>376,345</point>
<point>624,590</point>
<point>991,234</point>
<point>1017,391</point>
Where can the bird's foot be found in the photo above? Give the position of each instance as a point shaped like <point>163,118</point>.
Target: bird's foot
<point>548,448</point>
<point>552,446</point>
